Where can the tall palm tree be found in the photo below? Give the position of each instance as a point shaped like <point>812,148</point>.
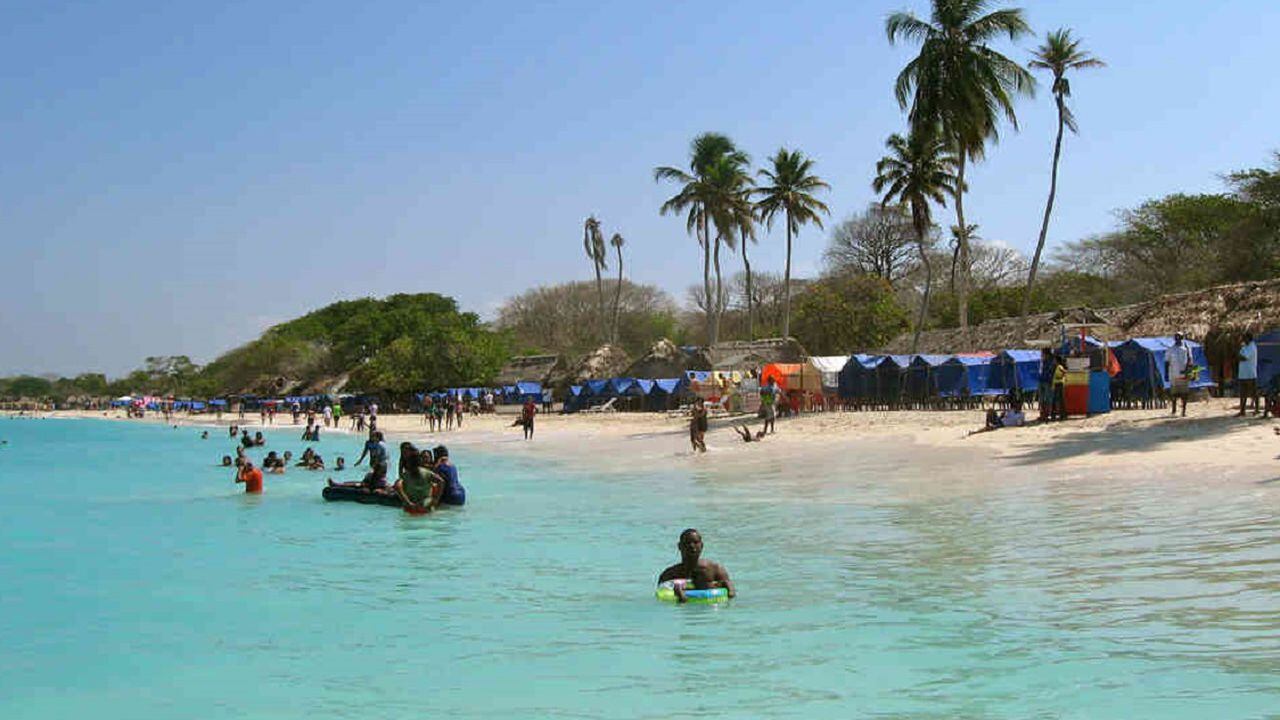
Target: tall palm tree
<point>1059,53</point>
<point>617,241</point>
<point>959,84</point>
<point>697,197</point>
<point>729,200</point>
<point>918,170</point>
<point>790,191</point>
<point>593,245</point>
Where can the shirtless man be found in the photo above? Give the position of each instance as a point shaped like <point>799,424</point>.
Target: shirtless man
<point>702,574</point>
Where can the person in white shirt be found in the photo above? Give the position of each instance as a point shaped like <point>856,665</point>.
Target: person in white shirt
<point>1247,374</point>
<point>1178,360</point>
<point>1013,417</point>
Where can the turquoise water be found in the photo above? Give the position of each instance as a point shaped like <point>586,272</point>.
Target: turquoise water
<point>138,583</point>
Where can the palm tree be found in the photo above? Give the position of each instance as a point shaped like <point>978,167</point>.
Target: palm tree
<point>728,202</point>
<point>696,198</point>
<point>617,242</point>
<point>790,192</point>
<point>958,84</point>
<point>1059,53</point>
<point>916,171</point>
<point>593,245</point>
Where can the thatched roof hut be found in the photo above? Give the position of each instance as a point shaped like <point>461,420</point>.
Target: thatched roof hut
<point>1005,333</point>
<point>1225,310</point>
<point>606,361</point>
<point>666,360</point>
<point>533,368</point>
<point>743,355</point>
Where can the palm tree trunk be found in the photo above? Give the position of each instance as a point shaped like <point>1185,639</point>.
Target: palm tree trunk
<point>719,287</point>
<point>617,297</point>
<point>600,303</point>
<point>786,286</point>
<point>751,318</point>
<point>1044,224</point>
<point>706,282</point>
<point>962,288</point>
<point>921,231</point>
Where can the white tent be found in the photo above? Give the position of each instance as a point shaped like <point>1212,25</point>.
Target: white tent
<point>830,367</point>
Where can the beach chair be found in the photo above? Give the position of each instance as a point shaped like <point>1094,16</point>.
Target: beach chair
<point>607,407</point>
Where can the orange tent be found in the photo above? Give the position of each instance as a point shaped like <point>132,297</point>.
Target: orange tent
<point>793,377</point>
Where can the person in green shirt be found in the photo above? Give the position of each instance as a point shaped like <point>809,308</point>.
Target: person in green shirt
<point>414,486</point>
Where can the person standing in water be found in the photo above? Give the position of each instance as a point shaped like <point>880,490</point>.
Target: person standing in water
<point>250,476</point>
<point>694,570</point>
<point>698,426</point>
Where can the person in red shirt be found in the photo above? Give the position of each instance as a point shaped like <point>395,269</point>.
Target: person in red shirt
<point>526,415</point>
<point>251,477</point>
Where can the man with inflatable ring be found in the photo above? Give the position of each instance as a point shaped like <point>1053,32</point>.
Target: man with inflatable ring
<point>702,574</point>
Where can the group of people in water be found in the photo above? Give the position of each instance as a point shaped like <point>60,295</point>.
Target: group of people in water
<point>425,479</point>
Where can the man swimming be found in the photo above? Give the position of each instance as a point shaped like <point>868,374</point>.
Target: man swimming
<point>702,574</point>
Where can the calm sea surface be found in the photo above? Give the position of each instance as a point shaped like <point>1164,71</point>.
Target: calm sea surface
<point>136,582</point>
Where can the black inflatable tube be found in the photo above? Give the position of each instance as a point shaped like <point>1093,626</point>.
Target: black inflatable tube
<point>360,495</point>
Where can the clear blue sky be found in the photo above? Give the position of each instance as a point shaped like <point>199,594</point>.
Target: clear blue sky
<point>176,177</point>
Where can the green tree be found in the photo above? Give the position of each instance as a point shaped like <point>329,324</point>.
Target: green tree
<point>593,245</point>
<point>698,197</point>
<point>917,171</point>
<point>1058,54</point>
<point>842,313</point>
<point>960,85</point>
<point>29,386</point>
<point>790,191</point>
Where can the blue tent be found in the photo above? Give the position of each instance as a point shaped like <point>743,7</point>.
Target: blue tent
<point>1143,370</point>
<point>596,388</point>
<point>1015,371</point>
<point>1268,360</point>
<point>643,387</point>
<point>965,376</point>
<point>218,402</point>
<point>857,378</point>
<point>665,393</point>
<point>525,389</point>
<point>618,387</point>
<point>920,381</point>
<point>889,376</point>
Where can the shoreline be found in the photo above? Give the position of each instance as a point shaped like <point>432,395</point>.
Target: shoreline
<point>1209,437</point>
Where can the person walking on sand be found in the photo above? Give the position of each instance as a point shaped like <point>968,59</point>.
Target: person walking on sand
<point>693,570</point>
<point>1178,361</point>
<point>769,406</point>
<point>698,426</point>
<point>1247,374</point>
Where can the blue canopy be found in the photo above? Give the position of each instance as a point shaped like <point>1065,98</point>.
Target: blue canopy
<point>964,376</point>
<point>524,388</point>
<point>667,386</point>
<point>857,378</point>
<point>1015,371</point>
<point>575,390</point>
<point>218,402</point>
<point>643,387</point>
<point>595,388</point>
<point>619,386</point>
<point>920,381</point>
<point>1142,365</point>
<point>1268,359</point>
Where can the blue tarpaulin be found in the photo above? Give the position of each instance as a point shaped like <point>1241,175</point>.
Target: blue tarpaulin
<point>857,379</point>
<point>1015,371</point>
<point>921,375</point>
<point>1143,370</point>
<point>963,376</point>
